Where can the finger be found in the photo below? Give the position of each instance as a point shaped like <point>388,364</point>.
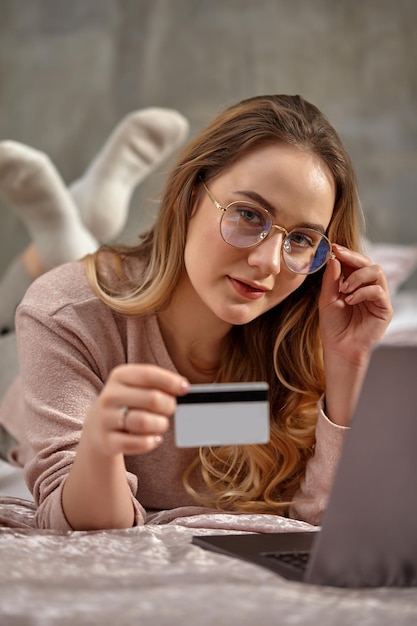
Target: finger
<point>350,260</point>
<point>151,376</point>
<point>350,257</point>
<point>369,275</point>
<point>122,411</point>
<point>330,290</point>
<point>371,294</point>
<point>150,400</point>
<point>129,444</point>
<point>142,423</point>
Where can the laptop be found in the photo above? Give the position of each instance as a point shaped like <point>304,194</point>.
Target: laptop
<point>368,536</point>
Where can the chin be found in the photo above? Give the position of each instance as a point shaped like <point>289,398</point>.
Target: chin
<point>239,318</point>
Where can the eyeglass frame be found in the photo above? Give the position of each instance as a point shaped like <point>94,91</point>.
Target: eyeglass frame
<point>279,228</point>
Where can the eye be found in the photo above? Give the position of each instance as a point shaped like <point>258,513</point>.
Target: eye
<point>301,239</point>
<point>250,215</point>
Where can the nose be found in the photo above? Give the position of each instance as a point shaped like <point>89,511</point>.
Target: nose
<point>267,255</point>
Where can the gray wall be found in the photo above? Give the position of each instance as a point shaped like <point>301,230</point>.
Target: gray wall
<point>69,70</point>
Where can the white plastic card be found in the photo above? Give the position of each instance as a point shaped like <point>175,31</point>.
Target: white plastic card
<point>221,414</point>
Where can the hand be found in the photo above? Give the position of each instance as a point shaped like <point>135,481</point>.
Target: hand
<point>355,307</point>
<point>132,412</point>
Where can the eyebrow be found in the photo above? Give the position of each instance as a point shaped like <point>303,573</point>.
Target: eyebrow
<point>252,195</point>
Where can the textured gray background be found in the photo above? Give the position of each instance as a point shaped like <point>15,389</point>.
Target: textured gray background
<point>70,70</point>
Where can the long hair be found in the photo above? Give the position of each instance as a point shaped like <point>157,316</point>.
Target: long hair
<point>283,345</point>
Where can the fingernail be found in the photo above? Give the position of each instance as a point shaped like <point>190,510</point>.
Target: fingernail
<point>345,286</point>
<point>185,385</point>
<point>158,439</point>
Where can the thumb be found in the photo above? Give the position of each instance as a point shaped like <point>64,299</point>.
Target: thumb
<point>330,283</point>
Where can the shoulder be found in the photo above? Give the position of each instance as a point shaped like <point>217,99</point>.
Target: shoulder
<point>63,298</point>
<point>63,286</point>
<point>68,285</point>
<point>62,311</point>
<point>61,314</point>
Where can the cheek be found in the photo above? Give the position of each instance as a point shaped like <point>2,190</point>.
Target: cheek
<point>199,252</point>
<point>204,244</point>
<point>286,283</point>
<point>196,238</point>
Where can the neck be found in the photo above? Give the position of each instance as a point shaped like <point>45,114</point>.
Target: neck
<point>193,337</point>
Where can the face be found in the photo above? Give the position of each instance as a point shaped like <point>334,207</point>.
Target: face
<point>238,284</point>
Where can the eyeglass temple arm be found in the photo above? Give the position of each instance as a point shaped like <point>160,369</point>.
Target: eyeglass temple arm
<point>214,201</point>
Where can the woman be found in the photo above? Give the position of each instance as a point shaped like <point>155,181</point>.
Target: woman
<point>250,272</point>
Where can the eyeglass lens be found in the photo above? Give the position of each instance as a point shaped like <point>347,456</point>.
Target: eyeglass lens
<point>304,250</point>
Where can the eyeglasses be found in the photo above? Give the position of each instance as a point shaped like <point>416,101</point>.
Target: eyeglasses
<point>245,224</point>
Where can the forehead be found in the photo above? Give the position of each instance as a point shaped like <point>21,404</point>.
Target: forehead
<point>295,183</point>
<point>278,161</point>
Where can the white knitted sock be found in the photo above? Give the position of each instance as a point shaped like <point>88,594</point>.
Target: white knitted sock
<point>136,147</point>
<point>31,185</point>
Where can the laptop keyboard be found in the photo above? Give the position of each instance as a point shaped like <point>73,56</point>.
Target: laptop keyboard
<point>298,560</point>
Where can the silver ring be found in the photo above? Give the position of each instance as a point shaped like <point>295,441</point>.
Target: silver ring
<point>124,412</point>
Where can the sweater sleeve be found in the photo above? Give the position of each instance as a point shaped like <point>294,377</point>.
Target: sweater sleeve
<point>311,499</point>
<point>65,355</point>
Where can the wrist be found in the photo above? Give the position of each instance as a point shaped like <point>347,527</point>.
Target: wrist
<point>343,385</point>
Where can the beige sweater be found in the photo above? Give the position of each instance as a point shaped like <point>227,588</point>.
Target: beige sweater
<point>68,343</point>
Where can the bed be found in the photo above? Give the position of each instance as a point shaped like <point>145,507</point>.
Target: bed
<point>154,575</point>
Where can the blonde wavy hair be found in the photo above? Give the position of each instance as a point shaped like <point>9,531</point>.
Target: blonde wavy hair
<point>283,345</point>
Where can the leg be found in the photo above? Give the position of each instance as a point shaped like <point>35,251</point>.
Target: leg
<point>13,285</point>
<point>31,185</point>
<point>8,370</point>
<point>136,147</point>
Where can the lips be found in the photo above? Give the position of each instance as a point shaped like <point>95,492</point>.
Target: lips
<point>247,289</point>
